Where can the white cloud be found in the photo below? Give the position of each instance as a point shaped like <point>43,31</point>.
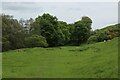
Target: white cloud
<point>102,13</point>
<point>60,0</point>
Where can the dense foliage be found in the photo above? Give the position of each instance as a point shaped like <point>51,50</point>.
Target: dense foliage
<point>50,29</point>
<point>36,41</point>
<point>47,31</point>
<point>12,33</point>
<point>81,30</point>
<point>105,34</point>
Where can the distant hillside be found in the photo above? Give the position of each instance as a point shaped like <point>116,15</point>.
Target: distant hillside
<point>109,28</point>
<point>104,34</point>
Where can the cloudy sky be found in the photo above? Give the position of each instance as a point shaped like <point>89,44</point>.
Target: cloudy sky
<point>101,13</point>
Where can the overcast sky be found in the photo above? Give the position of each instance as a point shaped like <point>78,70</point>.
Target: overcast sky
<point>101,13</point>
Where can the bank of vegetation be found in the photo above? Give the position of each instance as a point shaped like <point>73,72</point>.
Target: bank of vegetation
<point>47,31</point>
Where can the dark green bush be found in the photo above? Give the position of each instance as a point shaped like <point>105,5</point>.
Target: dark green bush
<point>92,39</point>
<point>99,37</point>
<point>35,41</point>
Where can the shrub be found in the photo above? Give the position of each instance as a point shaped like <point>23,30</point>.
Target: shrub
<point>103,36</point>
<point>92,39</point>
<point>99,37</point>
<point>36,41</point>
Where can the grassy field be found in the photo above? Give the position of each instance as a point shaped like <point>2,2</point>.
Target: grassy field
<point>99,60</point>
<point>0,65</point>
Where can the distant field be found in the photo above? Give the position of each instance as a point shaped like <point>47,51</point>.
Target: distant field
<point>98,60</point>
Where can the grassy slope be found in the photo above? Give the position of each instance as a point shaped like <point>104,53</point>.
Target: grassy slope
<point>0,65</point>
<point>86,61</point>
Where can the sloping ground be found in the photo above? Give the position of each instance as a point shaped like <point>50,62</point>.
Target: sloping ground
<point>98,60</point>
<point>0,65</point>
<point>111,27</point>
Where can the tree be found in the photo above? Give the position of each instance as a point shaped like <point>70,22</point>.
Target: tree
<point>5,44</point>
<point>64,30</point>
<point>12,34</point>
<point>35,29</point>
<point>86,22</point>
<point>49,28</point>
<point>81,30</point>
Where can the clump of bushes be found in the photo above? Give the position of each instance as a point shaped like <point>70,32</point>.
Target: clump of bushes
<point>92,39</point>
<point>36,41</point>
<point>98,38</point>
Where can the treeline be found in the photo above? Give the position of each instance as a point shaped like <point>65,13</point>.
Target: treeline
<point>46,31</point>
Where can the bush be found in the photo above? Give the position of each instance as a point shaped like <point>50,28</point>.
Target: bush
<point>92,39</point>
<point>102,37</point>
<point>36,41</point>
<point>99,37</point>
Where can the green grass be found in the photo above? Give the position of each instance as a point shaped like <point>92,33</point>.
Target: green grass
<point>0,65</point>
<point>99,60</point>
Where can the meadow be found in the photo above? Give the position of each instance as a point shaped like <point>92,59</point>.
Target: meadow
<point>98,60</point>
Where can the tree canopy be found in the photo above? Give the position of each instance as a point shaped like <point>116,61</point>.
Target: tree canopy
<point>47,31</point>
